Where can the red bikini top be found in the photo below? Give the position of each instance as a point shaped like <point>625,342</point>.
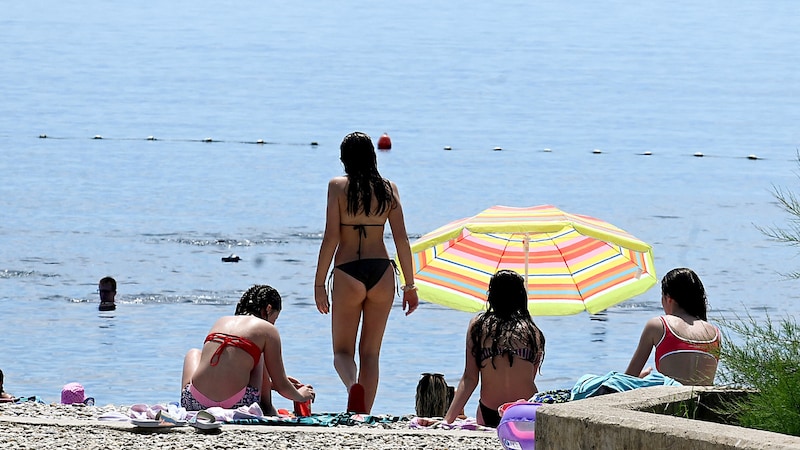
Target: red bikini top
<point>234,341</point>
<point>671,343</point>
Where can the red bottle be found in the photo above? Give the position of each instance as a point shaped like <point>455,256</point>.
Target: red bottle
<point>302,409</point>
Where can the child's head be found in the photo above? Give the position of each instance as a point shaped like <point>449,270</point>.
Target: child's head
<point>685,287</point>
<point>433,396</point>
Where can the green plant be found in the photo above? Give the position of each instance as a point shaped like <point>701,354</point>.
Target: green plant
<point>766,359</point>
<point>790,234</point>
<point>686,408</point>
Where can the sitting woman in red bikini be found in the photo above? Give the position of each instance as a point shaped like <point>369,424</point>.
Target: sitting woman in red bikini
<point>687,346</point>
<point>228,371</point>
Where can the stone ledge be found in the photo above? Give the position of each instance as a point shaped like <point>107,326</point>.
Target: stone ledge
<point>615,421</point>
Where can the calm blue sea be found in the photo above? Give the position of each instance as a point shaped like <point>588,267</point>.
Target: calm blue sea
<point>625,78</point>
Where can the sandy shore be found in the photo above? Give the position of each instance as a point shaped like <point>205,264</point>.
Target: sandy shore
<point>38,426</point>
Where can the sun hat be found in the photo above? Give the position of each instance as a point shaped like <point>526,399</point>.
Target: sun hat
<point>73,393</point>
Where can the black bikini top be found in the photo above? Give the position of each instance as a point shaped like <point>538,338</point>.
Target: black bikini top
<point>362,231</point>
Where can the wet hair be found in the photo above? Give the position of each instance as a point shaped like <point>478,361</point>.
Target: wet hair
<point>685,287</point>
<point>256,299</point>
<point>507,322</point>
<point>361,166</point>
<point>109,280</point>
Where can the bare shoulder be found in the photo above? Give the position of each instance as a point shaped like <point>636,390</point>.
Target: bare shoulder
<point>243,326</point>
<point>708,330</point>
<point>654,328</point>
<point>338,182</point>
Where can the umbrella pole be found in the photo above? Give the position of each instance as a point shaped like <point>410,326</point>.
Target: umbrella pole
<point>525,242</point>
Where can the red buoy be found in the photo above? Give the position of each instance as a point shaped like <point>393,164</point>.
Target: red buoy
<point>384,143</point>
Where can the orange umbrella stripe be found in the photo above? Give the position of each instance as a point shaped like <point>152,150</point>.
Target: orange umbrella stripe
<point>618,276</point>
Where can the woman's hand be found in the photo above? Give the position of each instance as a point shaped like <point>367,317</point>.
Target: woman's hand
<point>307,392</point>
<point>410,301</point>
<point>645,372</point>
<point>321,298</point>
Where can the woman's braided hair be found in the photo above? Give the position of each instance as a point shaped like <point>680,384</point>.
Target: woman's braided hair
<point>255,299</point>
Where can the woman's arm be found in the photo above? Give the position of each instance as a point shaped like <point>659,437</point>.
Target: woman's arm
<point>330,242</point>
<point>468,383</point>
<point>401,244</point>
<point>276,372</point>
<point>651,334</point>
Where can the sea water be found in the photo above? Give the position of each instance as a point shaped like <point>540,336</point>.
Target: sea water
<point>597,109</point>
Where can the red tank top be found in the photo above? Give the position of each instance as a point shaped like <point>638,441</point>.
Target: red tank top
<point>671,343</point>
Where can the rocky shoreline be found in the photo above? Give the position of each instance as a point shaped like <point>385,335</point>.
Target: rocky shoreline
<point>33,425</point>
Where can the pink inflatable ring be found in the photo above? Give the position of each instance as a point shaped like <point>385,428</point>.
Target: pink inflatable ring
<point>516,428</point>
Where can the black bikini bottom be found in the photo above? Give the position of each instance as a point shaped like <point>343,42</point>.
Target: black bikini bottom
<point>490,416</point>
<point>368,271</point>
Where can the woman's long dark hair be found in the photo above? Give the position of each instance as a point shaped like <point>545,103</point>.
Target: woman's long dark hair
<point>507,322</point>
<point>685,287</point>
<point>256,299</point>
<point>361,166</point>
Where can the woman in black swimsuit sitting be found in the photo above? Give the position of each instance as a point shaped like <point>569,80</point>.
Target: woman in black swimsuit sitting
<point>506,336</point>
<point>359,205</point>
<point>240,362</point>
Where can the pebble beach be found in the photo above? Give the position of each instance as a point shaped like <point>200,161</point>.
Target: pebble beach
<point>33,425</point>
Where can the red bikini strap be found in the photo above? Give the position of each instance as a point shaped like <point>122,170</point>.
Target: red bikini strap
<point>223,339</point>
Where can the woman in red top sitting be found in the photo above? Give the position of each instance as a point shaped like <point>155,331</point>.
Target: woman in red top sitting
<point>228,371</point>
<point>687,346</point>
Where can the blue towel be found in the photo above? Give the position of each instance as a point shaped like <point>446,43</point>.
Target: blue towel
<point>591,385</point>
<point>32,398</point>
<point>323,419</point>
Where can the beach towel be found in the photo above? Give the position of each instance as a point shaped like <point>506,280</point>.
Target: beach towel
<point>319,419</point>
<point>32,398</point>
<point>591,385</point>
<point>552,396</point>
<point>470,423</point>
<point>141,411</point>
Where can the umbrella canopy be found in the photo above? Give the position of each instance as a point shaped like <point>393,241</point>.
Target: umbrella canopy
<point>572,263</point>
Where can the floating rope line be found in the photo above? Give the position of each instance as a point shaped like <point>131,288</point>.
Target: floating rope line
<point>595,151</point>
<point>153,138</point>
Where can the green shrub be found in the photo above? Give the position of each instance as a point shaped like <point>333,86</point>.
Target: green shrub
<point>766,359</point>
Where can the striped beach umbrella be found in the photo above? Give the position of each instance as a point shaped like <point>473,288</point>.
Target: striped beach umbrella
<point>571,262</point>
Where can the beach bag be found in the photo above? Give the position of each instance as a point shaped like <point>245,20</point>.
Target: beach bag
<point>433,395</point>
<point>591,385</point>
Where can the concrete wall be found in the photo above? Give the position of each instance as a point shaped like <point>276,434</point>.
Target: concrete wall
<point>615,421</point>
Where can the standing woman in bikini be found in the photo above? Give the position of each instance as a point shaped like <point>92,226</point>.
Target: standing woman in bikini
<point>240,362</point>
<point>359,205</point>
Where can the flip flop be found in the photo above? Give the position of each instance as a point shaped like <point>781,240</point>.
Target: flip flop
<point>355,400</point>
<point>205,421</point>
<point>163,419</point>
